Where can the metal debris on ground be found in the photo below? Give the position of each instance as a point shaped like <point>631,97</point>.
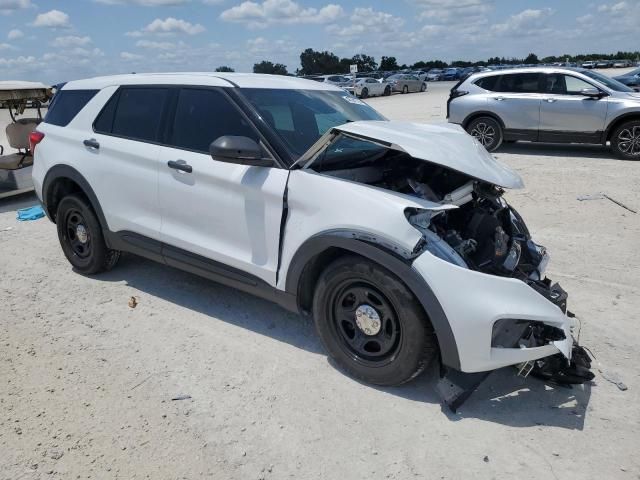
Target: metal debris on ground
<point>133,302</point>
<point>181,397</point>
<point>603,196</point>
<point>612,378</point>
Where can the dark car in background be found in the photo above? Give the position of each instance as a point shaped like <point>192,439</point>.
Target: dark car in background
<point>451,74</point>
<point>630,79</point>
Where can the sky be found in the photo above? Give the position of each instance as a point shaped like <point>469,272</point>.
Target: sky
<point>55,41</point>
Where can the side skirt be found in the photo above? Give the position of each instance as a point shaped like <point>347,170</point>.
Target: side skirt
<point>199,265</point>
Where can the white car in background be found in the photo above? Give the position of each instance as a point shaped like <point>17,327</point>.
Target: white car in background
<point>370,87</point>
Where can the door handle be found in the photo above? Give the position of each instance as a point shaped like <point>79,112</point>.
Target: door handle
<point>550,100</point>
<point>91,143</point>
<point>180,165</point>
<point>500,99</point>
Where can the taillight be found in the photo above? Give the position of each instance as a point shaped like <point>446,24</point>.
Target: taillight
<point>35,138</point>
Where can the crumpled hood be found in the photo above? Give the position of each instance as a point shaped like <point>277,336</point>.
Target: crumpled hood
<point>443,144</point>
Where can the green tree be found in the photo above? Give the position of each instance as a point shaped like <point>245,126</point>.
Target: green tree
<point>365,62</point>
<point>532,58</point>
<point>312,62</point>
<point>266,66</point>
<point>224,68</point>
<point>388,63</point>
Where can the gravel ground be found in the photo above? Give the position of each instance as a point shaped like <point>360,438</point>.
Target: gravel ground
<point>88,382</point>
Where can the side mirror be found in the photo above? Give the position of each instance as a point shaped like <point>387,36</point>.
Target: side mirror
<point>591,93</point>
<point>240,150</point>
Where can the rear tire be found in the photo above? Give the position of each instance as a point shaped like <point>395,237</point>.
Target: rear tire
<point>625,141</point>
<point>364,93</point>
<point>371,324</point>
<point>487,131</point>
<point>423,88</point>
<point>405,89</point>
<point>81,237</point>
<point>387,91</point>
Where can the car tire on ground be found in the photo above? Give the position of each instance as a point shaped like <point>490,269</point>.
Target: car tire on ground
<point>487,131</point>
<point>625,140</point>
<point>387,91</point>
<point>371,324</point>
<point>405,89</point>
<point>364,93</point>
<point>81,237</point>
<point>423,87</point>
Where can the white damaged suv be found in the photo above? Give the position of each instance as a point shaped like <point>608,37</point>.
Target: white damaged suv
<point>394,236</point>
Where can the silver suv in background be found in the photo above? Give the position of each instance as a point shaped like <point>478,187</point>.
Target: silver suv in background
<point>559,105</point>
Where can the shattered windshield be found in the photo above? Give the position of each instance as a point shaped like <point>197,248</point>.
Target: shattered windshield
<point>301,117</point>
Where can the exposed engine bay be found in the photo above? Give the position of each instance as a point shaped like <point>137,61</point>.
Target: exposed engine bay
<point>473,227</point>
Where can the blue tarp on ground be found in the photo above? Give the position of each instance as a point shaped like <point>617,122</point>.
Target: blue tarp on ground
<point>31,213</point>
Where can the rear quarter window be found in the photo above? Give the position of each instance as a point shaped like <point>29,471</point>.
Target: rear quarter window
<point>488,83</point>
<point>66,105</point>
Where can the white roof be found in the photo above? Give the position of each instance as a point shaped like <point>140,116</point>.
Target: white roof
<point>21,85</point>
<point>243,80</point>
<point>444,144</point>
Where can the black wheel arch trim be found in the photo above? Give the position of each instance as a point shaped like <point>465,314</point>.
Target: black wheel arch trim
<point>390,256</point>
<point>616,122</point>
<point>482,113</point>
<point>58,172</point>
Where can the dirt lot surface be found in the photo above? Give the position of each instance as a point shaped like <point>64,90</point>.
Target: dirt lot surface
<point>87,382</point>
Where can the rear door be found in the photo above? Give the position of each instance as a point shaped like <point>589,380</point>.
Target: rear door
<point>568,116</point>
<point>123,153</point>
<point>516,99</point>
<point>227,213</point>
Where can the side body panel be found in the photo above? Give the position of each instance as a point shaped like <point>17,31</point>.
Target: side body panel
<point>318,203</point>
<point>226,212</point>
<point>122,173</point>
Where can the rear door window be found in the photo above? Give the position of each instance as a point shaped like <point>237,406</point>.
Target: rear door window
<point>204,115</point>
<point>66,105</point>
<point>134,113</point>
<point>519,83</point>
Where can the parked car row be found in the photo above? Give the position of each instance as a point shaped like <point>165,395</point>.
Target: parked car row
<point>607,64</point>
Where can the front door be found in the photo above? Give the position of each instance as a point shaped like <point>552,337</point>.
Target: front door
<point>228,213</point>
<point>568,116</point>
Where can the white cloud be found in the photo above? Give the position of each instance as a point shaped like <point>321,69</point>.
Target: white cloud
<point>5,46</point>
<point>144,3</point>
<point>70,41</point>
<point>168,26</point>
<point>52,19</point>
<point>257,15</point>
<point>15,34</point>
<point>453,11</point>
<point>155,45</point>
<point>527,22</point>
<point>368,20</point>
<point>19,62</point>
<point>128,56</point>
<point>9,6</point>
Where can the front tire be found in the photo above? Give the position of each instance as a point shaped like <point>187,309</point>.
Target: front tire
<point>371,324</point>
<point>423,88</point>
<point>364,93</point>
<point>487,131</point>
<point>387,91</point>
<point>81,237</point>
<point>405,89</point>
<point>625,141</point>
